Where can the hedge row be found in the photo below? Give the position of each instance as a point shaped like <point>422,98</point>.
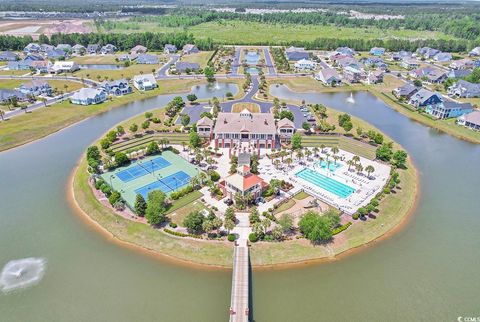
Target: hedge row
<point>179,234</point>
<point>338,230</point>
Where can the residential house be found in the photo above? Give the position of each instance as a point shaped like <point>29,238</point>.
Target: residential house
<point>448,109</point>
<point>32,48</point>
<point>462,64</point>
<point>352,74</point>
<point>117,88</point>
<point>476,63</point>
<point>36,88</point>
<point>374,77</point>
<point>64,67</point>
<point>348,61</point>
<point>442,57</point>
<point>374,62</point>
<point>329,76</point>
<point>296,53</point>
<point>45,47</point>
<point>377,51</point>
<point>182,66</point>
<point>138,49</point>
<point>55,54</point>
<point>459,73</point>
<point>401,55</point>
<point>470,120</point>
<point>190,49</point>
<point>79,50</point>
<point>19,65</point>
<point>475,52</point>
<point>108,49</point>
<point>406,91</point>
<point>88,96</point>
<point>169,49</point>
<point>144,82</point>
<point>64,47</point>
<point>345,51</point>
<point>423,97</point>
<point>205,127</point>
<point>427,52</point>
<point>430,74</point>
<point>462,88</point>
<point>7,95</point>
<point>33,57</point>
<point>305,64</point>
<point>147,59</point>
<point>243,182</point>
<point>93,49</point>
<point>334,57</point>
<point>8,56</point>
<point>127,57</point>
<point>41,66</point>
<point>409,63</point>
<point>285,129</point>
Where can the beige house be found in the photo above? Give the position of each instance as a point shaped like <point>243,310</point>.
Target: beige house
<point>285,129</point>
<point>205,127</point>
<point>243,182</point>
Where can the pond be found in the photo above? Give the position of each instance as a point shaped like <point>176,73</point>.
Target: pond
<point>101,66</point>
<point>429,270</point>
<point>252,57</point>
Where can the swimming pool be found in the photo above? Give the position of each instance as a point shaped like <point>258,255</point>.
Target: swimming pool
<point>326,183</point>
<point>332,167</point>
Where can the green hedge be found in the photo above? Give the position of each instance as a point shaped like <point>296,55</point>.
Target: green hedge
<point>179,234</point>
<point>338,230</point>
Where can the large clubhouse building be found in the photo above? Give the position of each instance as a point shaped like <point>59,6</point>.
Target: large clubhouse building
<point>257,129</point>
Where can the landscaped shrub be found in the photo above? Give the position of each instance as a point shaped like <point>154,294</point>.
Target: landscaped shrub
<point>214,176</point>
<point>114,197</point>
<point>106,190</point>
<point>99,183</point>
<point>253,237</point>
<point>386,190</point>
<point>338,230</point>
<point>173,225</point>
<point>179,234</point>
<point>231,237</point>
<point>355,216</point>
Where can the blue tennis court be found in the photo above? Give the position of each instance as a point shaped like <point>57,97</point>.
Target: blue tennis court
<point>167,184</point>
<point>142,168</point>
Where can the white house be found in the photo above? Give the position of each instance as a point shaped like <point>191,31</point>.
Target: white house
<point>328,76</point>
<point>64,67</point>
<point>144,82</point>
<point>305,64</point>
<point>88,96</point>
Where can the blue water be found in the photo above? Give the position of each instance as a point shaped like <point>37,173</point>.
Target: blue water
<point>167,184</point>
<point>252,58</point>
<point>252,70</point>
<point>332,166</point>
<point>142,168</point>
<point>326,183</point>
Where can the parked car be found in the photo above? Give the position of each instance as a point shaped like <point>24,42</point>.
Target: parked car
<point>228,202</point>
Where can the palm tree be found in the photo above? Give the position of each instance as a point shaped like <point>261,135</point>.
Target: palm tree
<point>2,113</point>
<point>322,147</point>
<point>350,163</point>
<point>288,161</point>
<point>356,159</point>
<point>359,168</point>
<point>308,153</point>
<point>316,150</point>
<point>369,169</point>
<point>335,158</point>
<point>299,154</point>
<point>276,162</point>
<point>335,150</point>
<point>183,145</point>
<point>203,176</point>
<point>283,154</point>
<point>194,181</point>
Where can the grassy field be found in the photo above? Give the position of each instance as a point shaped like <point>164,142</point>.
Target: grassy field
<point>44,121</point>
<point>252,107</point>
<point>14,72</point>
<point>127,72</point>
<point>243,32</point>
<point>59,84</point>
<point>200,58</point>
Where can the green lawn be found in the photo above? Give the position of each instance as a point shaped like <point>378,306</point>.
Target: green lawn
<point>285,206</point>
<point>59,84</point>
<point>184,202</point>
<point>301,195</point>
<point>127,72</point>
<point>200,58</point>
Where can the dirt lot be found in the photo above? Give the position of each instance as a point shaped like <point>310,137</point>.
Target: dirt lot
<point>35,28</point>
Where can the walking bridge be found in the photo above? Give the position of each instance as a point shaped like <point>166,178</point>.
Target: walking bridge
<point>239,311</point>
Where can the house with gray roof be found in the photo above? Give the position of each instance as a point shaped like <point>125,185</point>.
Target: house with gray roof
<point>346,51</point>
<point>427,52</point>
<point>88,96</point>
<point>205,127</point>
<point>329,76</point>
<point>145,82</point>
<point>353,74</point>
<point>424,97</point>
<point>448,109</point>
<point>461,64</point>
<point>20,65</point>
<point>463,88</point>
<point>64,47</point>
<point>169,49</point>
<point>8,56</point>
<point>32,48</point>
<point>182,66</point>
<point>190,49</point>
<point>459,73</point>
<point>108,49</point>
<point>8,94</point>
<point>285,129</point>
<point>147,59</point>
<point>138,49</point>
<point>36,87</point>
<point>55,54</point>
<point>406,91</point>
<point>296,53</point>
<point>45,47</point>
<point>470,120</point>
<point>430,74</point>
<point>442,57</point>
<point>475,52</point>
<point>93,49</point>
<point>118,87</point>
<point>79,50</point>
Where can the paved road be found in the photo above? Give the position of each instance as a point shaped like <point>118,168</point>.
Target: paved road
<point>162,72</point>
<point>269,62</point>
<point>236,62</point>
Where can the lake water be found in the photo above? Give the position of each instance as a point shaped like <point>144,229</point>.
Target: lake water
<point>252,57</point>
<point>428,271</point>
<point>101,66</point>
